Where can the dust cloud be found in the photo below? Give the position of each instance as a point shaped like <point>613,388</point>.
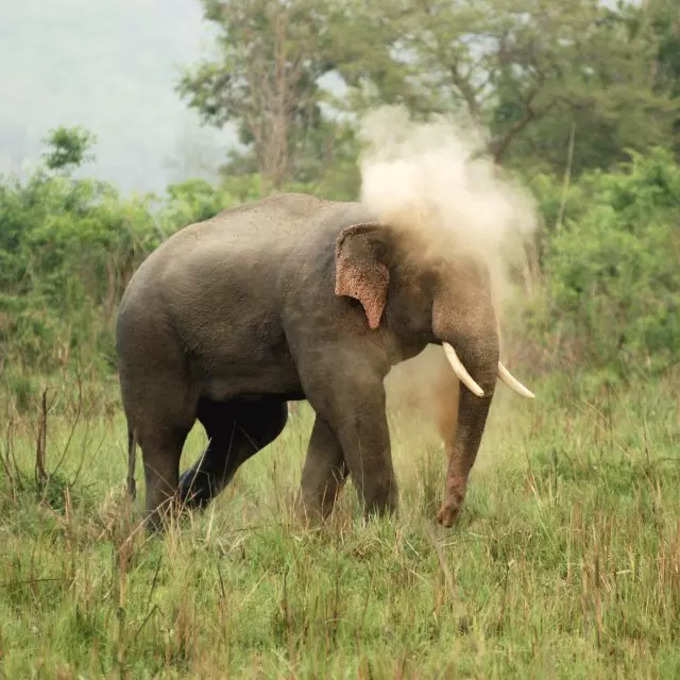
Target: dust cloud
<point>434,177</point>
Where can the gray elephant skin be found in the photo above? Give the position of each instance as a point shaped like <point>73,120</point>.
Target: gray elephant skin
<point>297,298</point>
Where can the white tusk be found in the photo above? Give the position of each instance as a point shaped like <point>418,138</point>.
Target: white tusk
<point>461,371</point>
<point>512,382</point>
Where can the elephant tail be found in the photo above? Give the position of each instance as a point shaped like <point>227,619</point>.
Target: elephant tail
<point>132,459</point>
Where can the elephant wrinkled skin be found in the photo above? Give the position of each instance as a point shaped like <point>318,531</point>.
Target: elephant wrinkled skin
<point>295,298</point>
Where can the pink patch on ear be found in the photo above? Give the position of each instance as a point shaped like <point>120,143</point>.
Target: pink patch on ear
<point>366,284</point>
<point>359,273</point>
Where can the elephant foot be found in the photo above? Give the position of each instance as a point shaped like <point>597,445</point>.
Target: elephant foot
<point>448,513</point>
<point>308,518</point>
<point>196,489</point>
<point>314,513</point>
<point>158,519</point>
<point>450,507</point>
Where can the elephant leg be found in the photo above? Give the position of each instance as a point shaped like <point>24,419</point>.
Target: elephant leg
<point>161,451</point>
<point>236,430</point>
<point>324,472</point>
<point>209,474</point>
<point>365,440</point>
<point>350,397</point>
<point>160,413</point>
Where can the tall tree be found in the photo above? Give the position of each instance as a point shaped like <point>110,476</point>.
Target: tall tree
<point>265,78</point>
<point>542,75</point>
<point>661,18</point>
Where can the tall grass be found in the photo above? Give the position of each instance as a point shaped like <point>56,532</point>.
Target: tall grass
<point>564,563</point>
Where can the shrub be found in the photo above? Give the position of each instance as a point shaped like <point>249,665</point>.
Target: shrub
<point>613,268</point>
<point>68,248</point>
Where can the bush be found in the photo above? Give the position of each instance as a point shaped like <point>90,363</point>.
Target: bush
<point>612,270</point>
<point>68,248</point>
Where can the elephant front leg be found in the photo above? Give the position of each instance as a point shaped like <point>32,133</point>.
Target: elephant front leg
<point>366,444</point>
<point>353,405</point>
<point>472,413</point>
<point>324,472</point>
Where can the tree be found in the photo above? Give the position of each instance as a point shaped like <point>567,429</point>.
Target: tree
<point>533,70</point>
<point>613,282</point>
<point>68,147</point>
<point>542,75</point>
<point>663,18</point>
<point>272,54</point>
<point>663,21</point>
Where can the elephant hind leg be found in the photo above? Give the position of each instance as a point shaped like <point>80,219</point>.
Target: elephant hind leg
<point>160,415</point>
<point>161,451</point>
<point>236,430</point>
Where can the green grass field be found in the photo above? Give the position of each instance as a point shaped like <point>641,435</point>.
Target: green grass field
<point>565,561</point>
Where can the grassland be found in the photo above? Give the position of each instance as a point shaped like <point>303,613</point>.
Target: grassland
<point>565,561</point>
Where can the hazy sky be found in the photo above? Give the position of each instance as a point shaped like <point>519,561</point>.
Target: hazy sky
<point>110,66</point>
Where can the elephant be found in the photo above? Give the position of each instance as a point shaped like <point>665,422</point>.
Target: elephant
<point>290,298</point>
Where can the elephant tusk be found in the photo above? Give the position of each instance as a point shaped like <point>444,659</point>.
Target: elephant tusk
<point>512,382</point>
<point>461,371</point>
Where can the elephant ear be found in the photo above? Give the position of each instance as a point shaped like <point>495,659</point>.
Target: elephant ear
<point>359,271</point>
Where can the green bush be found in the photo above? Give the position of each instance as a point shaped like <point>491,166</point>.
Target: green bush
<point>68,248</point>
<point>613,268</point>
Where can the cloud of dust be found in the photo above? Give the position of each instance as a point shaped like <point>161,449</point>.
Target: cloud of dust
<point>433,176</point>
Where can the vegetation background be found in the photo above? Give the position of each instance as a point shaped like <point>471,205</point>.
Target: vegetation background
<point>566,561</point>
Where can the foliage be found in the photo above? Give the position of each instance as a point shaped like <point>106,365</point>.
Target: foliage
<point>529,72</point>
<point>68,147</point>
<point>661,16</point>
<point>272,55</point>
<point>613,281</point>
<point>68,248</point>
<point>195,200</point>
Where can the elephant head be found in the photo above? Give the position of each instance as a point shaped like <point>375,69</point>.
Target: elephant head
<point>451,291</point>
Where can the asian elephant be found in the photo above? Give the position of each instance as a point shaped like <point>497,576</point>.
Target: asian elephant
<point>296,298</point>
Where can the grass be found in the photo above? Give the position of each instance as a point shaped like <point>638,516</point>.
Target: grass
<point>564,563</point>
